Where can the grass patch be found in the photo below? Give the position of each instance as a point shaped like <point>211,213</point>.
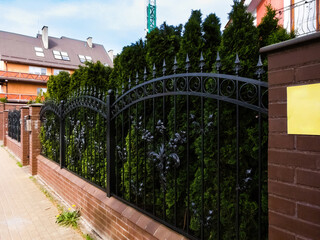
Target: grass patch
<point>88,237</point>
<point>19,164</point>
<point>69,217</point>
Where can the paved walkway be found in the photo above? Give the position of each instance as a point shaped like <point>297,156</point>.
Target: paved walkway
<point>25,212</point>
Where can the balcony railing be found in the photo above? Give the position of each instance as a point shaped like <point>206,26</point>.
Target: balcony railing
<point>23,76</point>
<point>302,17</point>
<point>17,97</point>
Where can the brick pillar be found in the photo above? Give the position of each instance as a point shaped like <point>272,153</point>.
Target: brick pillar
<point>1,120</point>
<point>24,137</point>
<point>293,160</point>
<point>5,126</point>
<point>34,140</point>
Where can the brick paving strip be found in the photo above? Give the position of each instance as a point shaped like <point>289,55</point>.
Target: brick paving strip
<point>25,212</point>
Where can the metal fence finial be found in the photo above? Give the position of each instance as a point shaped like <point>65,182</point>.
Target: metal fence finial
<point>164,67</point>
<point>237,64</point>
<point>260,70</point>
<point>202,63</point>
<point>187,63</point>
<point>154,70</point>
<point>218,62</point>
<point>145,74</point>
<point>137,78</point>
<point>175,65</point>
<point>129,84</point>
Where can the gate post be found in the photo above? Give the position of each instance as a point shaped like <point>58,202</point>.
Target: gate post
<point>110,144</point>
<point>62,133</point>
<point>34,140</point>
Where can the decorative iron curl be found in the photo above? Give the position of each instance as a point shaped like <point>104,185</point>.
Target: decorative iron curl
<point>248,92</point>
<point>181,84</point>
<point>50,106</point>
<point>210,85</point>
<point>195,84</point>
<point>227,87</point>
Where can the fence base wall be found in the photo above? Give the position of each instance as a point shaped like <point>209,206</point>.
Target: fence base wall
<point>15,147</point>
<point>109,217</point>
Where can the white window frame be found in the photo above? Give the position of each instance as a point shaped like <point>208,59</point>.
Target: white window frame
<point>37,70</point>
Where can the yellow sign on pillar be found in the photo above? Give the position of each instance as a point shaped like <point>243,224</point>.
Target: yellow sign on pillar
<point>303,109</point>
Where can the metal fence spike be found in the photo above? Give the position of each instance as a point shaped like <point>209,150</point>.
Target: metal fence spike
<point>137,78</point>
<point>175,65</point>
<point>202,63</point>
<point>145,74</point>
<point>237,61</point>
<point>259,62</point>
<point>164,67</point>
<point>218,62</point>
<point>187,63</point>
<point>154,70</point>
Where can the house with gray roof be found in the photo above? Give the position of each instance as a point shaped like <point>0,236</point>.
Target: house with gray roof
<point>27,62</point>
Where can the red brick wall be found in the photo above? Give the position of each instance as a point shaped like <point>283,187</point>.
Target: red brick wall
<point>14,146</point>
<point>109,217</point>
<point>24,137</point>
<point>293,160</point>
<point>34,140</point>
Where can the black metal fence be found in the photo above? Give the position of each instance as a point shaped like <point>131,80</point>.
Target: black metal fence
<point>14,124</point>
<point>189,150</point>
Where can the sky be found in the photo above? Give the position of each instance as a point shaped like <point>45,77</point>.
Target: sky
<point>112,23</point>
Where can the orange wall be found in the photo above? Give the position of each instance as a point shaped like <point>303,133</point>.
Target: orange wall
<point>14,67</point>
<point>24,88</point>
<point>261,9</point>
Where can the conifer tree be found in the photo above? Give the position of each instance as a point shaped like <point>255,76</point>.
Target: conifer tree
<point>191,42</point>
<point>270,31</point>
<point>241,36</point>
<point>212,38</point>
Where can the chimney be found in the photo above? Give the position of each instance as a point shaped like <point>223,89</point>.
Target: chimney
<point>45,39</point>
<point>89,42</point>
<point>110,53</point>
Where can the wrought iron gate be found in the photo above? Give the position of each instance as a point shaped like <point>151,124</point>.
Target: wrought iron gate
<point>189,150</point>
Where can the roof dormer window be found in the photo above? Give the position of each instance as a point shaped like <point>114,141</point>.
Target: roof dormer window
<point>61,55</point>
<point>65,56</point>
<point>39,51</point>
<point>85,58</point>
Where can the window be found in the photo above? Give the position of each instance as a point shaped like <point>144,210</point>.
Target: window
<point>39,51</point>
<point>85,58</point>
<point>57,71</point>
<point>41,90</point>
<point>61,55</point>
<point>65,56</point>
<point>38,70</point>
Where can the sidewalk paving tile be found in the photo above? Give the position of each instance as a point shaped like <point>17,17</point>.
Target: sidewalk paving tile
<point>25,212</point>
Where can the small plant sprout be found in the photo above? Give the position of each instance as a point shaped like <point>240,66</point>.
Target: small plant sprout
<point>69,217</point>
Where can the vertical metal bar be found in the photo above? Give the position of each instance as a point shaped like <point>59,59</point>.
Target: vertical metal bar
<point>122,149</point>
<point>145,157</point>
<point>154,145</point>
<point>137,156</point>
<point>62,133</point>
<point>110,145</point>
<point>202,166</point>
<point>116,157</point>
<point>129,154</point>
<point>259,167</point>
<point>237,163</point>
<point>164,141</point>
<point>218,158</point>
<point>175,169</point>
<point>188,159</point>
